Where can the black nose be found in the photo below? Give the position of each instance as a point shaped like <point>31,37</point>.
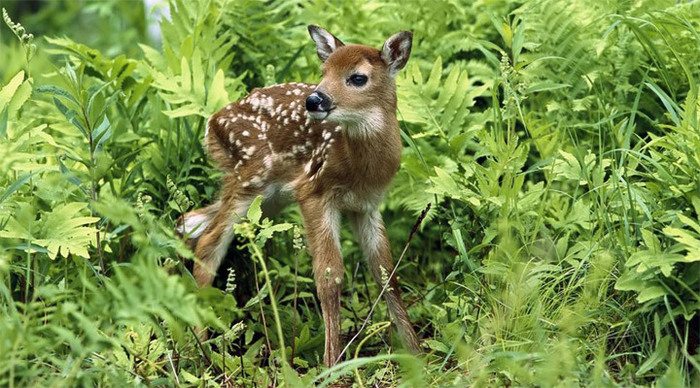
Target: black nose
<point>318,102</point>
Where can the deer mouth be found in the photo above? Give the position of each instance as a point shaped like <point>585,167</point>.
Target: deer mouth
<point>321,115</point>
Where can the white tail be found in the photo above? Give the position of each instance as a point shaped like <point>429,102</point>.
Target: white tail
<point>334,147</point>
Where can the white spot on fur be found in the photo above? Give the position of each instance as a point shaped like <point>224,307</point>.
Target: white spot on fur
<point>194,225</point>
<point>256,180</point>
<point>267,161</point>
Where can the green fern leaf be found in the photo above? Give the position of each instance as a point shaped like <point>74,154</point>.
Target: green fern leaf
<point>62,231</point>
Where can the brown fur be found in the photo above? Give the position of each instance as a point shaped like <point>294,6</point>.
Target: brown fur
<point>267,143</point>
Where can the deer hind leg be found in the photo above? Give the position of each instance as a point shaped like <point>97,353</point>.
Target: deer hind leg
<point>370,231</point>
<point>214,240</point>
<point>192,225</point>
<point>322,223</point>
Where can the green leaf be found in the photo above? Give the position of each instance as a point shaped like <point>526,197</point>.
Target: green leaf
<point>186,75</point>
<point>102,132</point>
<point>8,91</point>
<point>3,122</point>
<point>650,292</point>
<point>546,86</point>
<point>255,210</point>
<point>437,346</point>
<point>630,281</point>
<point>217,96</point>
<point>24,178</point>
<point>444,184</point>
<point>267,232</point>
<point>15,94</point>
<point>671,107</point>
<point>684,237</point>
<point>56,91</point>
<point>62,231</point>
<point>291,377</point>
<point>183,111</point>
<point>658,355</point>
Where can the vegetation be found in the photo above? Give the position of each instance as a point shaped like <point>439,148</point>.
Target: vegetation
<point>558,143</point>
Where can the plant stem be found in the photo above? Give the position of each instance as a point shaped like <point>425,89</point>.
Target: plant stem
<point>258,254</point>
<point>93,184</point>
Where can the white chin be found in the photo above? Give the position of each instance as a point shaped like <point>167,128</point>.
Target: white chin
<point>318,115</point>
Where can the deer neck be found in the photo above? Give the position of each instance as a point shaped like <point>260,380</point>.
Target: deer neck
<point>374,147</point>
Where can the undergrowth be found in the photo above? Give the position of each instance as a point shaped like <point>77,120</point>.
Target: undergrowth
<point>557,142</point>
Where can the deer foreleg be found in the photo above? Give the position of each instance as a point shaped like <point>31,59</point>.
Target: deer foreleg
<point>322,223</point>
<point>371,234</point>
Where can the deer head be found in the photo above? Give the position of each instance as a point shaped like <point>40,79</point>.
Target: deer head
<point>357,88</point>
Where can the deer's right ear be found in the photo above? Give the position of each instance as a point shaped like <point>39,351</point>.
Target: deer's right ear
<point>396,51</point>
<point>326,43</point>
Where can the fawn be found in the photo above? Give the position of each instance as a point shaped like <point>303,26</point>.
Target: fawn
<point>334,148</point>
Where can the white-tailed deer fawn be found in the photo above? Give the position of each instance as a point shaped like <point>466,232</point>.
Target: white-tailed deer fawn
<point>334,147</point>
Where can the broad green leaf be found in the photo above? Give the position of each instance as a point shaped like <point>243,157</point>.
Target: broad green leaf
<point>255,211</point>
<point>183,111</point>
<point>218,97</point>
<point>62,231</point>
<point>684,237</point>
<point>15,93</point>
<point>185,75</point>
<point>9,90</point>
<point>267,232</point>
<point>444,184</point>
<point>630,281</point>
<point>650,292</point>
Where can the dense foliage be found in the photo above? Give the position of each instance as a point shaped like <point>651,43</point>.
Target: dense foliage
<point>558,143</point>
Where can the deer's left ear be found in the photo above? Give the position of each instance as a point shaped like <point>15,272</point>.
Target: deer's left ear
<point>396,51</point>
<point>326,43</point>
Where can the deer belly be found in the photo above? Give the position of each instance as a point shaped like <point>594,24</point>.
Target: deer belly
<point>276,197</point>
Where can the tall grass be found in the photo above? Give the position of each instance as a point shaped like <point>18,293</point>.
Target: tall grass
<point>556,142</point>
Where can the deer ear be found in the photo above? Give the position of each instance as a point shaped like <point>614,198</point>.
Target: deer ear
<point>396,51</point>
<point>326,43</point>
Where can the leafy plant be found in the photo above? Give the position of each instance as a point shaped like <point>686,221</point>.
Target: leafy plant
<point>557,143</point>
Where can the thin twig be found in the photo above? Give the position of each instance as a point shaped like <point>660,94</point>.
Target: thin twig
<point>386,285</point>
<point>172,366</point>
<point>199,345</point>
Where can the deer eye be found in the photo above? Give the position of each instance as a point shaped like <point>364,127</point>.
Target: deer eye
<point>357,80</point>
